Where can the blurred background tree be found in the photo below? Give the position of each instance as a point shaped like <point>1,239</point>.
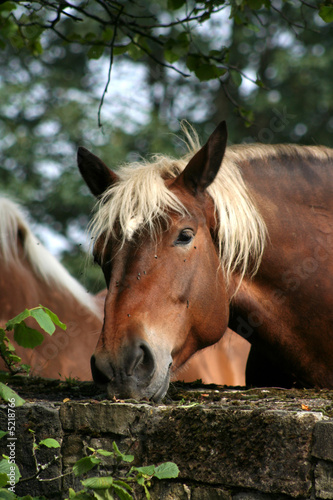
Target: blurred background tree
<point>118,77</point>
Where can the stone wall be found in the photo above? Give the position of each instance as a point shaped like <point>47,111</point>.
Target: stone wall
<point>228,444</point>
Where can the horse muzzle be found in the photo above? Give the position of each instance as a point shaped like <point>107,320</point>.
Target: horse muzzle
<point>133,375</point>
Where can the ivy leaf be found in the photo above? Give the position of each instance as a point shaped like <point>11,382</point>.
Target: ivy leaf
<point>84,465</point>
<point>50,443</point>
<point>27,337</point>
<point>168,470</point>
<point>7,393</point>
<point>44,320</point>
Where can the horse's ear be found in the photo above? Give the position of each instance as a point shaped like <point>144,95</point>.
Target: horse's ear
<point>201,170</point>
<point>96,174</point>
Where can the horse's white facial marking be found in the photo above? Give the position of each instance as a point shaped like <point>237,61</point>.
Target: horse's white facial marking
<point>133,225</point>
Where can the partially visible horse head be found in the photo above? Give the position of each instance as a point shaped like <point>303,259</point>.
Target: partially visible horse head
<point>154,237</point>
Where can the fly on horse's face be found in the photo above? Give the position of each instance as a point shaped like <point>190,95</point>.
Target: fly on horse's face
<point>163,278</point>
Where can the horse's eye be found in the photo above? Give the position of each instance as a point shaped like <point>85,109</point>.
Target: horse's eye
<point>185,237</point>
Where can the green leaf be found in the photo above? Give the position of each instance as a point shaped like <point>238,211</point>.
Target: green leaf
<point>168,470</point>
<point>208,72</point>
<point>170,56</point>
<point>255,4</point>
<point>50,443</point>
<point>120,49</point>
<point>134,51</point>
<point>3,480</point>
<point>7,6</point>
<point>253,27</point>
<point>175,4</point>
<point>85,464</point>
<point>107,34</point>
<point>236,78</point>
<point>13,358</point>
<point>54,318</point>
<point>15,321</point>
<point>326,13</point>
<point>121,492</point>
<point>10,346</point>
<point>95,52</point>
<point>103,495</point>
<point>105,453</point>
<point>80,495</point>
<point>2,434</point>
<point>193,62</point>
<point>123,484</point>
<point>7,495</point>
<point>98,483</point>
<point>125,458</point>
<point>147,470</point>
<point>44,320</point>
<point>5,468</point>
<point>26,336</point>
<point>7,393</point>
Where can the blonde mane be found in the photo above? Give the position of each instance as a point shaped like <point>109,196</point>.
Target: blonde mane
<point>140,199</point>
<point>46,267</point>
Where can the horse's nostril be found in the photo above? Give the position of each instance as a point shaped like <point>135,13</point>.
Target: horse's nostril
<point>134,359</point>
<point>140,361</point>
<point>99,376</point>
<point>148,359</point>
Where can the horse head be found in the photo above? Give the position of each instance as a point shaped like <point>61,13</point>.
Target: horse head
<point>167,295</point>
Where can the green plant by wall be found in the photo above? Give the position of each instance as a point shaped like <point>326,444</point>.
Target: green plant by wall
<point>26,337</point>
<point>123,482</point>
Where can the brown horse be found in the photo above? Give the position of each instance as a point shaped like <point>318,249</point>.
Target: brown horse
<point>30,275</point>
<point>183,242</point>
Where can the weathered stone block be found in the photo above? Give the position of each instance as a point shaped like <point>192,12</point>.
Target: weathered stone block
<point>264,450</point>
<point>324,480</point>
<point>323,440</point>
<point>207,493</point>
<point>105,417</point>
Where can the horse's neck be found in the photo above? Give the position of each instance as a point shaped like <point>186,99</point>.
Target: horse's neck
<point>289,300</point>
<point>20,288</point>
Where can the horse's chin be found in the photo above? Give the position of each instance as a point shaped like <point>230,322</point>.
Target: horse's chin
<point>153,392</point>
